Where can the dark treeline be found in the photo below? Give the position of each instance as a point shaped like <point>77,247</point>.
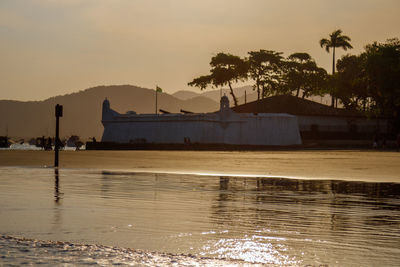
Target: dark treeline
<point>272,73</point>
<point>368,82</point>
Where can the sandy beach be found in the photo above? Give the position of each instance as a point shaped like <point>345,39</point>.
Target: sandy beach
<point>370,166</point>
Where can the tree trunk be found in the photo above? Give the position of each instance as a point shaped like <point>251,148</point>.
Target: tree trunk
<point>333,63</point>
<point>333,73</point>
<point>263,92</point>
<point>258,89</point>
<point>233,95</point>
<point>297,93</point>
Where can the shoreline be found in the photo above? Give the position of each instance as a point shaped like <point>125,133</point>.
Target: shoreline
<point>348,165</point>
<point>123,255</point>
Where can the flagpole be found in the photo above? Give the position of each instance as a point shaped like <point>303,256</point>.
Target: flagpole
<point>156,101</point>
<point>158,89</point>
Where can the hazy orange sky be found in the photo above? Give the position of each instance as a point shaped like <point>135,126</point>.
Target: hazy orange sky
<point>53,47</point>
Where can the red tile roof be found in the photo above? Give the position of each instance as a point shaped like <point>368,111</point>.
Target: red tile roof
<point>295,106</point>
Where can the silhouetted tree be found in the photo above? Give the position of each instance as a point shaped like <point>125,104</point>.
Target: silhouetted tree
<point>265,68</point>
<point>303,74</point>
<point>335,40</point>
<point>202,82</point>
<point>383,71</point>
<point>352,82</point>
<point>371,80</point>
<point>225,70</point>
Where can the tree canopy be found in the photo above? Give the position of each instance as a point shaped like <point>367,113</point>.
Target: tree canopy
<point>225,70</point>
<point>371,81</point>
<point>383,72</point>
<point>265,68</point>
<point>335,40</point>
<point>351,82</point>
<point>303,74</point>
<point>368,82</point>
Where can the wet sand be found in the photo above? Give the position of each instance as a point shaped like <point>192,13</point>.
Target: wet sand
<point>53,254</point>
<point>369,166</point>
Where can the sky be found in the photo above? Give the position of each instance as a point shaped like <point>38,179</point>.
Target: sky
<point>56,47</point>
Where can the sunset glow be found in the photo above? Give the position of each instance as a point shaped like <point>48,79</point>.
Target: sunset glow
<point>56,47</point>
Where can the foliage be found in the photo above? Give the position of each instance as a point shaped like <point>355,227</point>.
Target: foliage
<point>303,74</point>
<point>335,40</point>
<point>383,72</point>
<point>351,82</point>
<point>202,82</point>
<point>265,68</point>
<point>369,82</point>
<point>225,69</point>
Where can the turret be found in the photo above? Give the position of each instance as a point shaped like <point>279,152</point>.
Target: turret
<point>224,110</point>
<point>106,104</point>
<point>224,103</point>
<point>106,109</point>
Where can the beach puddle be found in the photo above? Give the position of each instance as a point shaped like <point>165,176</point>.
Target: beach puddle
<point>127,218</point>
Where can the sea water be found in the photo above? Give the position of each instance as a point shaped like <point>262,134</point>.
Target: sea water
<point>85,217</point>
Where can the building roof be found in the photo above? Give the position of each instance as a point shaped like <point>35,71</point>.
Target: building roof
<point>295,106</point>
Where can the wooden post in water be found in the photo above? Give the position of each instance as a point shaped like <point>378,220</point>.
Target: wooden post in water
<point>59,113</point>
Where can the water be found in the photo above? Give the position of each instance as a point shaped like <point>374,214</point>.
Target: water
<point>23,146</point>
<point>90,217</point>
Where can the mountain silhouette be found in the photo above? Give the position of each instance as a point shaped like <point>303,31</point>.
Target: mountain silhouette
<point>82,110</point>
<point>215,94</point>
<point>240,92</point>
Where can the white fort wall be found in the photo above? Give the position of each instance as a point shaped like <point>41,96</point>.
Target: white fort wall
<point>222,127</point>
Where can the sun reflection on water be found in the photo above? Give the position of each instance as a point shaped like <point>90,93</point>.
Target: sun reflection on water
<point>250,249</point>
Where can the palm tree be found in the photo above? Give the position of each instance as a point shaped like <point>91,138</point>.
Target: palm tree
<point>336,39</point>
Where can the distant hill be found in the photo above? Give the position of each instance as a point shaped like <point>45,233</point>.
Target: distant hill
<point>215,94</point>
<point>82,110</point>
<point>251,95</point>
<point>185,95</point>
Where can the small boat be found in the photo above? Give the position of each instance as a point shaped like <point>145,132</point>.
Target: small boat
<point>74,141</point>
<point>32,142</point>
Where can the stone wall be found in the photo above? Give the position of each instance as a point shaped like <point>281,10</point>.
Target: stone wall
<point>222,127</point>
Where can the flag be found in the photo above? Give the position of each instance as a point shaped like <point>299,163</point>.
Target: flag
<point>158,89</point>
